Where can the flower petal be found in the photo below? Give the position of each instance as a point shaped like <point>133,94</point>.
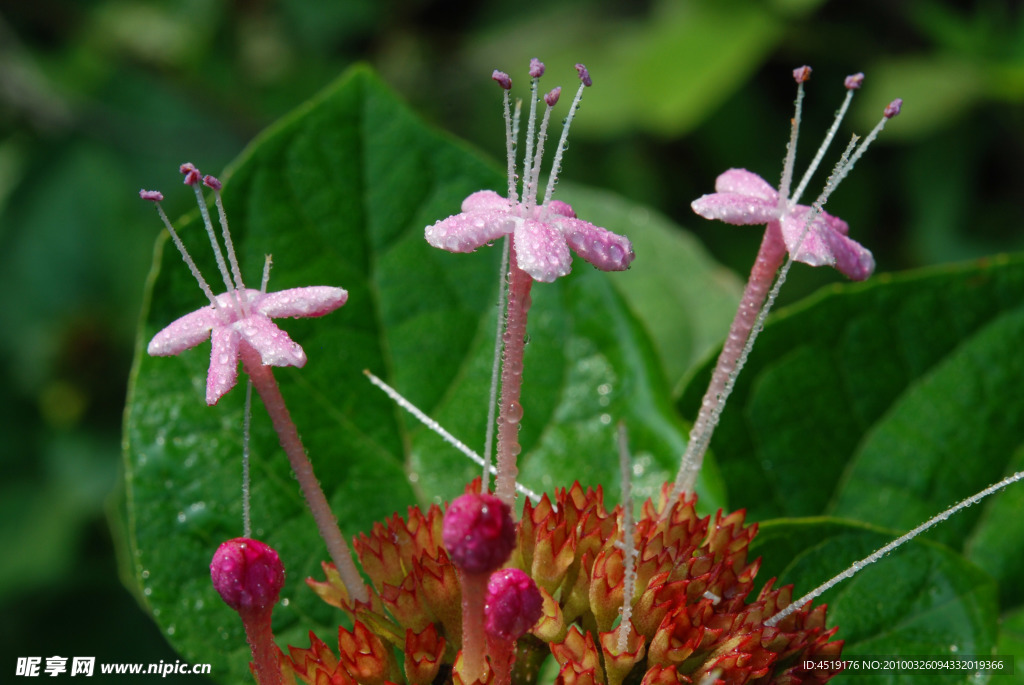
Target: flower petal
<point>743,182</point>
<point>485,201</point>
<point>599,246</point>
<point>183,334</point>
<point>223,371</point>
<point>736,209</point>
<point>826,243</point>
<point>541,251</point>
<point>467,231</point>
<point>314,300</point>
<point>275,346</point>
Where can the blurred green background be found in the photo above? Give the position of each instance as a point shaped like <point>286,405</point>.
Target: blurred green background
<point>100,98</point>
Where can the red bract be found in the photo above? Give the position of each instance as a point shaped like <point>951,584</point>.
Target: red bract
<point>692,608</point>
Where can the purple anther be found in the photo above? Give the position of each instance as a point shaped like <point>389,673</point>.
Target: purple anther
<point>247,574</point>
<point>503,79</point>
<point>552,97</point>
<point>802,74</point>
<point>151,195</point>
<point>584,75</point>
<point>854,81</point>
<point>514,604</point>
<point>211,182</point>
<point>191,173</point>
<point>536,68</point>
<point>478,532</point>
<point>893,108</point>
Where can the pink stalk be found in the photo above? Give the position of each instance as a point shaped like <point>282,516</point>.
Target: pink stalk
<point>264,651</point>
<point>474,591</point>
<point>266,385</point>
<point>510,411</point>
<point>770,258</point>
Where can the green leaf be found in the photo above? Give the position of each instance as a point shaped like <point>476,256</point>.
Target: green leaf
<point>887,402</point>
<point>920,600</point>
<point>339,193</point>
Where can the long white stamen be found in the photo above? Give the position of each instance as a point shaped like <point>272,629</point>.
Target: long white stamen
<point>556,165</point>
<point>437,428</point>
<point>268,261</point>
<point>221,264</point>
<point>492,401</point>
<point>186,256</point>
<point>822,148</point>
<point>529,191</point>
<point>848,167</point>
<point>858,566</point>
<point>628,543</point>
<point>226,233</point>
<point>511,135</point>
<point>542,136</point>
<point>790,160</point>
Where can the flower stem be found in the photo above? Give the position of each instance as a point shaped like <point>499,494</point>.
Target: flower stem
<point>510,412</point>
<point>474,590</point>
<point>266,385</point>
<point>266,666</point>
<point>769,258</point>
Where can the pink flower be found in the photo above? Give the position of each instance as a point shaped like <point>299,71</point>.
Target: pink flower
<point>542,231</point>
<point>744,198</point>
<point>232,325</point>
<point>240,317</point>
<point>543,235</point>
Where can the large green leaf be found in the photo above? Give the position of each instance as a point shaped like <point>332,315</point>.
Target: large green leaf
<point>922,600</point>
<point>339,193</point>
<point>887,402</point>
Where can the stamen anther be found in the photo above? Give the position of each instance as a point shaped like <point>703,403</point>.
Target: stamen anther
<point>151,195</point>
<point>854,81</point>
<point>552,97</point>
<point>502,79</point>
<point>536,68</point>
<point>211,182</point>
<point>190,172</point>
<point>893,108</point>
<point>802,74</point>
<point>584,75</point>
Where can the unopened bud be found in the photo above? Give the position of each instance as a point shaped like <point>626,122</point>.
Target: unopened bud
<point>247,574</point>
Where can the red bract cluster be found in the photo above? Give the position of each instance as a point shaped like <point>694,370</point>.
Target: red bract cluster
<point>692,620</point>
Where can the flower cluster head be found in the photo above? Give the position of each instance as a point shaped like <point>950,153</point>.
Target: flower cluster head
<point>542,230</point>
<point>810,235</point>
<point>238,320</point>
<point>694,608</point>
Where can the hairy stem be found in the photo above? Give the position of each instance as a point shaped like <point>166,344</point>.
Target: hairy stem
<point>266,666</point>
<point>266,385</point>
<point>510,412</point>
<point>769,258</point>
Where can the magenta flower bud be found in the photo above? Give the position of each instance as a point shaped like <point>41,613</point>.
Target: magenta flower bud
<point>802,74</point>
<point>536,68</point>
<point>584,75</point>
<point>247,574</point>
<point>854,81</point>
<point>151,195</point>
<point>503,79</point>
<point>211,182</point>
<point>514,604</point>
<point>478,532</point>
<point>190,172</point>
<point>893,108</point>
<point>552,97</point>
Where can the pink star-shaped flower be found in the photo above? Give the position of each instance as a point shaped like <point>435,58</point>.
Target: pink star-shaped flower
<point>543,235</point>
<point>240,318</point>
<point>542,229</point>
<point>229,327</point>
<point>744,198</point>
